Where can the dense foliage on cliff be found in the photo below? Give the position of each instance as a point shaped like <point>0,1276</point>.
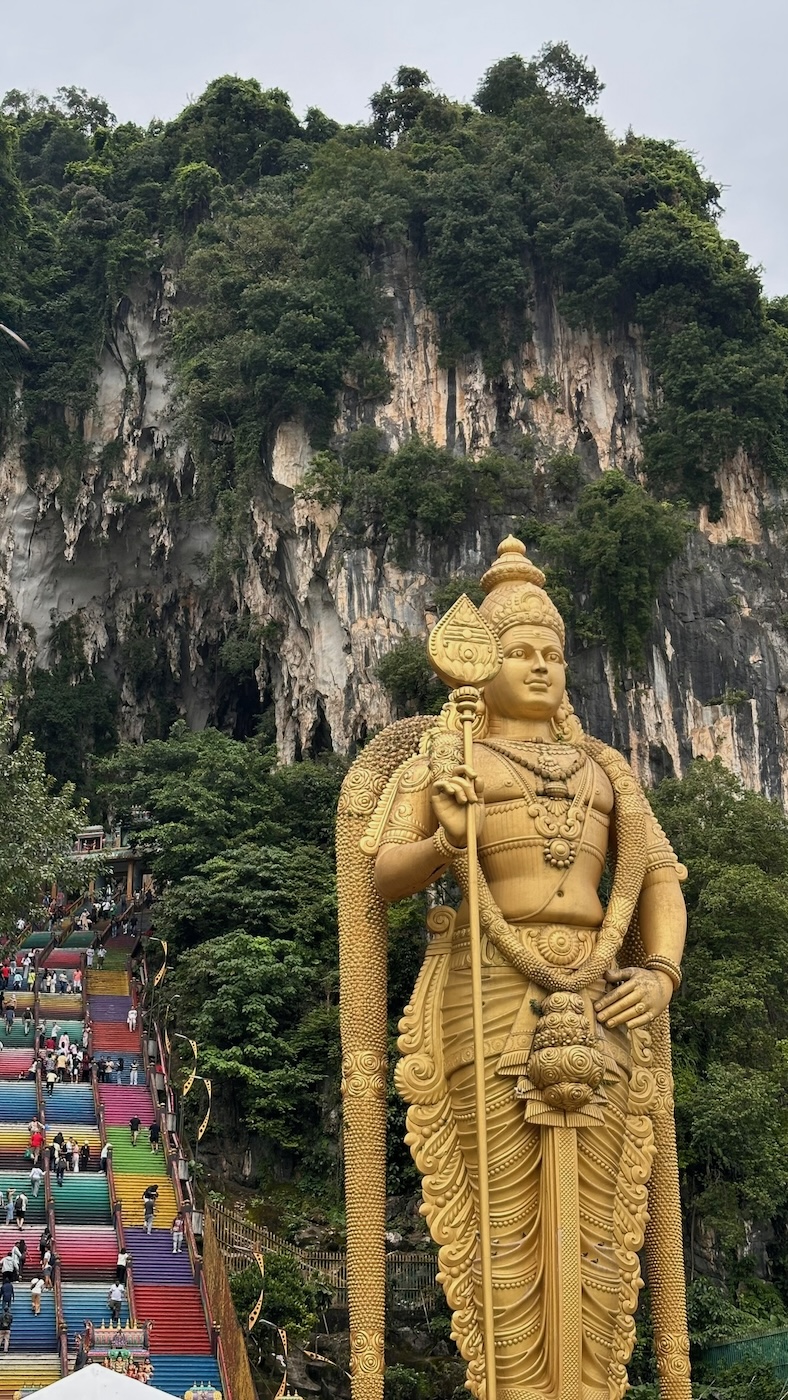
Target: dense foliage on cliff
<point>280,233</point>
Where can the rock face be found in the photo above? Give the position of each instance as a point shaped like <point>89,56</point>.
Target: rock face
<point>130,555</point>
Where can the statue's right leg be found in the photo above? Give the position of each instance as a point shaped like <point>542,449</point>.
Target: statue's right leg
<point>526,1364</point>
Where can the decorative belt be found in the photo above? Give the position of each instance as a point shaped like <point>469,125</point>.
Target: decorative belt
<point>560,945</point>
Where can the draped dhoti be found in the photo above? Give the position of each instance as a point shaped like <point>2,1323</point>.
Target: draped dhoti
<point>563,1214</point>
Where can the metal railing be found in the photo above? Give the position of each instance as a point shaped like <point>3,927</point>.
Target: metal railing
<point>411,1274</point>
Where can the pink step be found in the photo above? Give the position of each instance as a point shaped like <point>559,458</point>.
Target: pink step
<point>121,1103</point>
<point>14,1062</point>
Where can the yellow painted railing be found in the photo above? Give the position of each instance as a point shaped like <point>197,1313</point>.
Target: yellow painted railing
<point>236,1357</point>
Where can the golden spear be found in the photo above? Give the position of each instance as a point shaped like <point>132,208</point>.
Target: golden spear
<point>466,654</point>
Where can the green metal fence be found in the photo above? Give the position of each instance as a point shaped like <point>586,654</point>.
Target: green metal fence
<point>768,1349</point>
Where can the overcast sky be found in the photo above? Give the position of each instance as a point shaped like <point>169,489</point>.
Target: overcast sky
<point>709,74</point>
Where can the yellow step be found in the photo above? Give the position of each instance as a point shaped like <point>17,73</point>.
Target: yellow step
<point>26,1369</point>
<point>108,984</point>
<point>129,1189</point>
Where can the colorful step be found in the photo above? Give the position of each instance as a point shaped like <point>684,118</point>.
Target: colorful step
<point>69,1103</point>
<point>60,1005</point>
<point>111,983</point>
<point>16,1063</point>
<point>122,1102</point>
<point>130,1189</point>
<point>86,1302</point>
<point>64,957</point>
<point>18,1371</point>
<point>177,1374</point>
<point>86,1254</point>
<point>115,1035</point>
<point>18,1101</point>
<point>152,1259</point>
<point>83,1199</point>
<point>19,1182</point>
<point>109,1008</point>
<point>30,1332</point>
<point>135,1160</point>
<point>14,1141</point>
<point>177,1316</point>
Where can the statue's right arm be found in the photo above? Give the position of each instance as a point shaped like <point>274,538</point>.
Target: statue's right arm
<point>401,870</point>
<point>408,859</point>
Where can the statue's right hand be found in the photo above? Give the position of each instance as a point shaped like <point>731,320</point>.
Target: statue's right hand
<point>452,796</point>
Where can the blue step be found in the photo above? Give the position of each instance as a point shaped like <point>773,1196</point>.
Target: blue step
<point>30,1333</point>
<point>18,1102</point>
<point>68,1103</point>
<point>86,1301</point>
<point>177,1374</point>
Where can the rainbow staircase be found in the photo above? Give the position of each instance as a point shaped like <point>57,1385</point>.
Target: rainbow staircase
<point>91,1213</point>
<point>165,1292</point>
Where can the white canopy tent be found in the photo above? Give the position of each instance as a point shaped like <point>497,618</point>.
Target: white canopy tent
<point>99,1383</point>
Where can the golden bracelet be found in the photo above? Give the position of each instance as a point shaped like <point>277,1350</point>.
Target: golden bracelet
<point>443,846</point>
<point>657,963</point>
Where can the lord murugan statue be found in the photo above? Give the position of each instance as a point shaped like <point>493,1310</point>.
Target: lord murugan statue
<point>535,1049</point>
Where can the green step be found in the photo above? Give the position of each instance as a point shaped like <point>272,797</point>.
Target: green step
<point>115,962</point>
<point>126,1158</point>
<point>20,1181</point>
<point>81,938</point>
<point>72,1028</point>
<point>83,1199</point>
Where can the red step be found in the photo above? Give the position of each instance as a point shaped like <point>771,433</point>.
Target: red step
<point>115,1035</point>
<point>177,1316</point>
<point>86,1252</point>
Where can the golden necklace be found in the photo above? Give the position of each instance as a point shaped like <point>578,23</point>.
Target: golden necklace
<point>557,817</point>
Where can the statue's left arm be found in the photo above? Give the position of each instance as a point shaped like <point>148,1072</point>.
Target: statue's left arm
<point>639,994</point>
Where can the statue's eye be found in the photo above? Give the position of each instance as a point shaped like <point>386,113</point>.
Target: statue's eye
<point>518,652</point>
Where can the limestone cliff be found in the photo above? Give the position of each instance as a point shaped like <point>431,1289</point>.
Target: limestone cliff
<point>131,552</point>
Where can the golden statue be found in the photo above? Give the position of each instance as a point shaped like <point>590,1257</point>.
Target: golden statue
<point>535,1049</point>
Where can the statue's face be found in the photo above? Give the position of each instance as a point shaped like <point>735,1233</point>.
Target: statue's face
<point>532,679</point>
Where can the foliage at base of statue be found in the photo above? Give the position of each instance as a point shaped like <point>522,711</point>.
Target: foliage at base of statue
<point>289,1300</point>
<point>730,1016</point>
<point>607,560</point>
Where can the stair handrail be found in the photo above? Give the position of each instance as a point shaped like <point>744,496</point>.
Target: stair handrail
<point>40,1094</point>
<point>171,1159</point>
<point>37,1014</point>
<point>60,1318</point>
<point>83,967</point>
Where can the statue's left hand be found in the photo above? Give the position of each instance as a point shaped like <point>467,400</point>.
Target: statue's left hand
<point>637,997</point>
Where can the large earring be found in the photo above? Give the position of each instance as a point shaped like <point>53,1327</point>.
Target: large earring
<point>565,725</point>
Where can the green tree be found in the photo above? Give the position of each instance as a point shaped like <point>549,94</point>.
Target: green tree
<point>729,1018</point>
<point>39,825</point>
<point>609,558</point>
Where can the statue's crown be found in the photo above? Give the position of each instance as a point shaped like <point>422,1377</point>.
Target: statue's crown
<point>515,592</point>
